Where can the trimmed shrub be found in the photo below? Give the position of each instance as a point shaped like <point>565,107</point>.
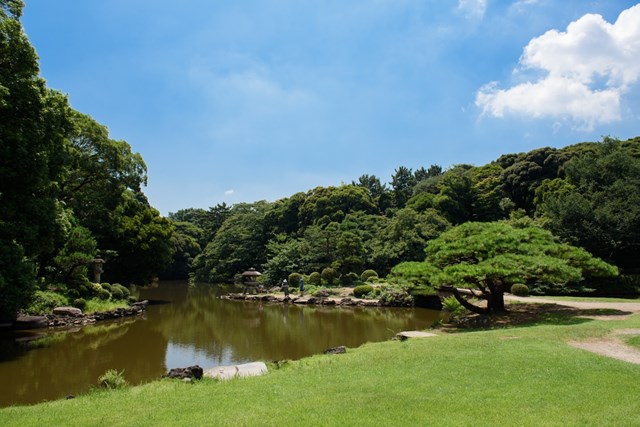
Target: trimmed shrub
<point>349,278</point>
<point>315,279</point>
<point>104,294</point>
<point>106,286</point>
<point>329,276</point>
<point>132,299</point>
<point>362,290</point>
<point>368,275</point>
<point>119,292</point>
<point>520,290</point>
<point>80,303</point>
<point>294,280</point>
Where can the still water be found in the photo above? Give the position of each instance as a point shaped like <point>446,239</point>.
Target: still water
<point>184,326</point>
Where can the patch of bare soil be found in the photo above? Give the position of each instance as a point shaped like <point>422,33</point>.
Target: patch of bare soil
<point>610,347</point>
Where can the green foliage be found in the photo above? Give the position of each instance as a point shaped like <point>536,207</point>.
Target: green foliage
<point>452,305</point>
<point>17,280</point>
<point>413,272</point>
<point>329,276</point>
<point>80,303</point>
<point>240,242</point>
<point>368,275</point>
<point>112,380</point>
<point>599,206</point>
<point>491,257</point>
<point>45,301</point>
<point>362,290</point>
<point>104,294</point>
<point>294,279</point>
<point>120,292</point>
<point>315,279</point>
<point>349,278</point>
<point>520,290</point>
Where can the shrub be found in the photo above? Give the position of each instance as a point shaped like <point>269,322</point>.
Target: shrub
<point>104,294</point>
<point>294,280</point>
<point>112,380</point>
<point>315,279</point>
<point>452,305</point>
<point>520,290</point>
<point>329,276</point>
<point>369,275</point>
<point>396,298</point>
<point>362,290</point>
<point>349,278</point>
<point>117,293</point>
<point>80,303</point>
<point>45,301</point>
<point>132,299</point>
<point>106,286</point>
<point>125,291</point>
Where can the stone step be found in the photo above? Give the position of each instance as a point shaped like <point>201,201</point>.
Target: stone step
<point>245,370</point>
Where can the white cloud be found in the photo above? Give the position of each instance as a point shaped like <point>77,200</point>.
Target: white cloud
<point>472,9</point>
<point>588,69</point>
<point>229,192</point>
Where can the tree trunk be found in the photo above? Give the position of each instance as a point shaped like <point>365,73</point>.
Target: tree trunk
<point>466,304</point>
<point>495,303</point>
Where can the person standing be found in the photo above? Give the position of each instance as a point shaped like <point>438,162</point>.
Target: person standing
<point>285,288</point>
<point>301,286</point>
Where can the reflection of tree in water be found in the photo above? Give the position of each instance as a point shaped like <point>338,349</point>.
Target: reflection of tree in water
<point>255,331</point>
<point>73,361</point>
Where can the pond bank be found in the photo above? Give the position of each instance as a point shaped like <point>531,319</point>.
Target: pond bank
<point>69,316</point>
<point>340,301</point>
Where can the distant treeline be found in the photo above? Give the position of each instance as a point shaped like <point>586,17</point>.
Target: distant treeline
<point>587,194</point>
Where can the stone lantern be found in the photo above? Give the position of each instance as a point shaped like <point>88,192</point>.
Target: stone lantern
<point>249,279</point>
<point>98,268</point>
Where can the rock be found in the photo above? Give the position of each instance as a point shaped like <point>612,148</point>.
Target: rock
<point>185,373</point>
<point>403,336</point>
<point>31,322</point>
<point>336,350</point>
<point>322,293</point>
<point>142,304</point>
<point>246,370</point>
<point>68,311</point>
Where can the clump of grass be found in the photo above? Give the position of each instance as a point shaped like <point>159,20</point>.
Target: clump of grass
<point>112,380</point>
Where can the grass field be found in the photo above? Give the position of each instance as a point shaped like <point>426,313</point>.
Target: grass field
<point>524,376</point>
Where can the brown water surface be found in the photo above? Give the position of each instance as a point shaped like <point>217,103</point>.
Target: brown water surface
<point>185,326</point>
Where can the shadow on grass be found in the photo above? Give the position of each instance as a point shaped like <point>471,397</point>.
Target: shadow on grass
<point>524,315</point>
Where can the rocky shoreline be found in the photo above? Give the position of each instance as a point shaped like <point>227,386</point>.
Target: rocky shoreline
<point>314,300</point>
<point>71,316</point>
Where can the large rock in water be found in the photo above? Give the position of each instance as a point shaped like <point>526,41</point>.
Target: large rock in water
<point>31,322</point>
<point>67,311</point>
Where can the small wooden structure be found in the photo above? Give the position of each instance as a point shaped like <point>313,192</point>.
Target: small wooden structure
<point>250,282</point>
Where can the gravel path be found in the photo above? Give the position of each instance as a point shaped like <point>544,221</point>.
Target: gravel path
<point>630,307</point>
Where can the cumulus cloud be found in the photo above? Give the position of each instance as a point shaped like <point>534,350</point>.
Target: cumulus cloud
<point>472,9</point>
<point>586,69</point>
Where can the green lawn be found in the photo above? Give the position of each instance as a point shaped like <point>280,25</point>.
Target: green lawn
<point>586,299</point>
<point>525,376</point>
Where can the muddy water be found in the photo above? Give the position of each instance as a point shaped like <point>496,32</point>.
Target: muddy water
<point>186,326</point>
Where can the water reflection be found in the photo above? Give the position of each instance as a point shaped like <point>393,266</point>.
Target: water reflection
<point>194,328</point>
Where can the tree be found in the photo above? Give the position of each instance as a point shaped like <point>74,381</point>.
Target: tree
<point>487,258</point>
<point>32,128</point>
<point>402,182</point>
<point>598,206</point>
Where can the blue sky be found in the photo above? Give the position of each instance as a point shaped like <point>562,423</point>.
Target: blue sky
<point>245,100</point>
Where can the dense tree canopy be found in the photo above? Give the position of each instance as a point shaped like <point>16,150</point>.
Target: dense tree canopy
<point>67,191</point>
<point>490,257</point>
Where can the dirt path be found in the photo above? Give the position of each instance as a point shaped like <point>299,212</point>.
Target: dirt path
<point>627,307</point>
<point>612,346</point>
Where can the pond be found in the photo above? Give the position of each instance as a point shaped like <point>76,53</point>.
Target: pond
<point>183,326</point>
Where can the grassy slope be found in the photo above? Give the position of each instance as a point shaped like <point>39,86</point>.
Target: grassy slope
<point>520,376</point>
